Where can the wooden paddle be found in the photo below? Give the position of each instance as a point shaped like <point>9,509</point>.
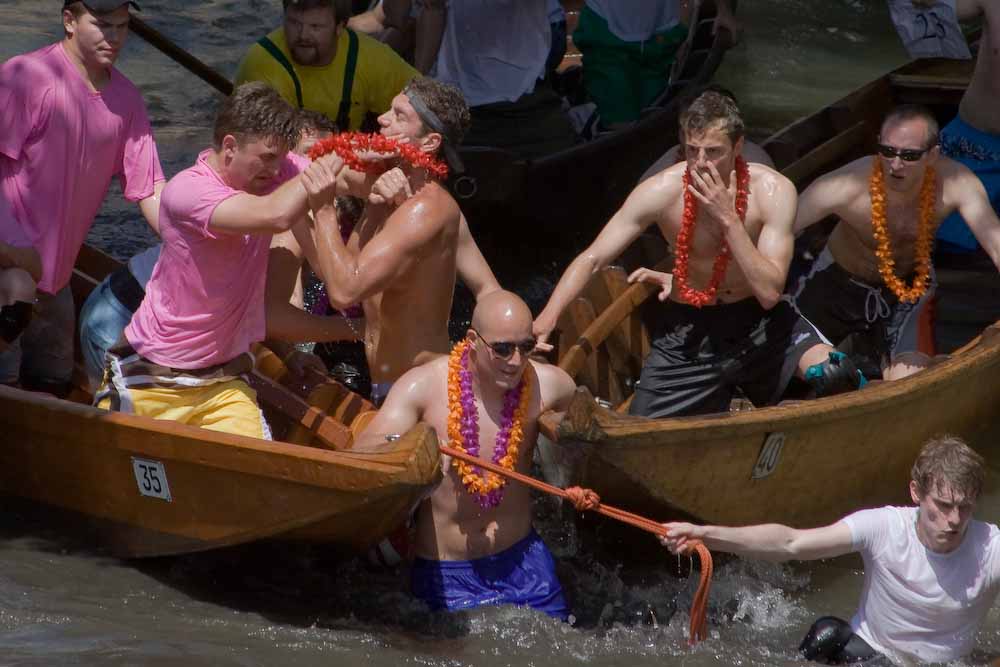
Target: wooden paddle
<point>159,41</point>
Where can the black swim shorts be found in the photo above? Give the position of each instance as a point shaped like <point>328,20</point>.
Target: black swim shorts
<point>699,357</point>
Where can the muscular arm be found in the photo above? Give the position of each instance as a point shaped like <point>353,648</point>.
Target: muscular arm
<point>766,264</point>
<point>641,209</point>
<point>975,208</point>
<point>150,207</point>
<point>401,411</point>
<point>285,322</point>
<point>819,201</point>
<point>249,214</point>
<point>557,387</point>
<point>350,277</point>
<point>773,542</point>
<point>472,267</point>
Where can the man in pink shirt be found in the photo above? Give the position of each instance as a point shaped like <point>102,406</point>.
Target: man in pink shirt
<point>71,122</point>
<point>188,344</point>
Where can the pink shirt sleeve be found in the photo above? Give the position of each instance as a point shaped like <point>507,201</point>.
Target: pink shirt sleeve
<point>25,103</point>
<point>140,160</point>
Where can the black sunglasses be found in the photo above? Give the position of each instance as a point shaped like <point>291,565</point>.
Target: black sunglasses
<point>905,154</point>
<point>505,349</point>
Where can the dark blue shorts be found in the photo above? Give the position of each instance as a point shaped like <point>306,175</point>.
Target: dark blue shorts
<point>523,575</point>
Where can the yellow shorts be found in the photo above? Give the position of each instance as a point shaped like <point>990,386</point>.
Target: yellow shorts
<point>229,406</point>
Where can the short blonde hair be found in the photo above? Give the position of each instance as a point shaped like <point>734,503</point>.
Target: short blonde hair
<point>946,461</point>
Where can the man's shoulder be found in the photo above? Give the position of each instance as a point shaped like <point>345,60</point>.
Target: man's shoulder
<point>435,204</point>
<point>554,384</point>
<point>257,62</point>
<point>770,180</point>
<point>33,69</point>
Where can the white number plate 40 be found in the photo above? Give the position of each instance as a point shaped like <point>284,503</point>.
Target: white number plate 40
<point>770,454</point>
<point>151,477</point>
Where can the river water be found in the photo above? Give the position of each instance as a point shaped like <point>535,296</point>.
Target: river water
<point>62,603</point>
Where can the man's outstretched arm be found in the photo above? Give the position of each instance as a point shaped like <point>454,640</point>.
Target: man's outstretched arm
<point>770,541</point>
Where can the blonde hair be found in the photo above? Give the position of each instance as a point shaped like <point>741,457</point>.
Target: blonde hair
<point>946,461</point>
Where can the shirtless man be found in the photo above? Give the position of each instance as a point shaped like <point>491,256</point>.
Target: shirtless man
<point>973,137</point>
<point>746,336</point>
<point>845,293</point>
<point>931,571</point>
<point>400,260</point>
<point>470,552</point>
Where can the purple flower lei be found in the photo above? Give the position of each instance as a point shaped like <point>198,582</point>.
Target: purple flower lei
<point>470,427</point>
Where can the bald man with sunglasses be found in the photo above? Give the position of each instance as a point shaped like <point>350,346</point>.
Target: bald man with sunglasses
<point>469,552</point>
<point>845,293</point>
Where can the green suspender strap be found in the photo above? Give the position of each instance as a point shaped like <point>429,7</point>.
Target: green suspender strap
<point>276,53</point>
<point>344,113</point>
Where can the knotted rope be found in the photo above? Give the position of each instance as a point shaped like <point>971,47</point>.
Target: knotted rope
<point>584,500</point>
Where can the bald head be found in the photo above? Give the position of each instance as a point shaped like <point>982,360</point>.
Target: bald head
<point>501,312</point>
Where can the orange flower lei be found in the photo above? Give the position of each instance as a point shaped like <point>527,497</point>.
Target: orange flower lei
<point>463,430</point>
<point>690,295</point>
<point>925,235</point>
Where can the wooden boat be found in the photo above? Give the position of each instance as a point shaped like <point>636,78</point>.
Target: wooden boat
<point>802,463</point>
<point>151,488</point>
<point>588,181</point>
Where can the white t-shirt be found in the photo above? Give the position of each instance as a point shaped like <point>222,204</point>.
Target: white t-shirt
<point>924,605</point>
<point>637,20</point>
<point>141,266</point>
<point>494,50</point>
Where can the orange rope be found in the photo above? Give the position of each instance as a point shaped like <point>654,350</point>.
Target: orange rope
<point>586,499</point>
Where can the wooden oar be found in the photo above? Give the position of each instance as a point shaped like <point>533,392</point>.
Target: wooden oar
<point>576,356</point>
<point>159,41</point>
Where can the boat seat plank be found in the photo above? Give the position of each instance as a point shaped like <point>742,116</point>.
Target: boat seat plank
<point>828,152</point>
<point>326,430</point>
<point>598,373</point>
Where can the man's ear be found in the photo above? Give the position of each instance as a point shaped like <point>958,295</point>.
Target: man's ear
<point>229,145</point>
<point>471,336</point>
<point>915,492</point>
<point>933,154</point>
<point>431,142</point>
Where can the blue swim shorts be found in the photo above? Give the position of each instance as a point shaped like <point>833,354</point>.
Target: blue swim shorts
<point>523,575</point>
<point>980,152</point>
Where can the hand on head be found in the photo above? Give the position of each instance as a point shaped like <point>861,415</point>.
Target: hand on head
<point>665,281</point>
<point>392,187</point>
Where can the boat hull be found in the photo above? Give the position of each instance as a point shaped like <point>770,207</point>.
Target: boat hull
<point>223,489</point>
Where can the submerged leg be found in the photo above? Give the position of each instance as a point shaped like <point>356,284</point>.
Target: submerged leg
<point>831,641</point>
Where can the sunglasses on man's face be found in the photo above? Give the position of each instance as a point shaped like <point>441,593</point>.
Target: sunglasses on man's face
<point>505,349</point>
<point>904,154</point>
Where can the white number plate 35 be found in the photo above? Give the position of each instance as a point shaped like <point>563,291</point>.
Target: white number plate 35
<point>151,477</point>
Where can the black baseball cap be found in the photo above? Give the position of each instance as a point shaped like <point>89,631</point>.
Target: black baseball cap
<point>103,6</point>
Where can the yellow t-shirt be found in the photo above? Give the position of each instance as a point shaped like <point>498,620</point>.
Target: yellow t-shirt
<point>379,76</point>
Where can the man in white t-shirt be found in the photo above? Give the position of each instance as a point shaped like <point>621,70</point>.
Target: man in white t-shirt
<point>931,571</point>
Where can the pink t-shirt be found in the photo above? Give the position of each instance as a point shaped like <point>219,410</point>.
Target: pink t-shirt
<point>204,304</point>
<point>60,145</point>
